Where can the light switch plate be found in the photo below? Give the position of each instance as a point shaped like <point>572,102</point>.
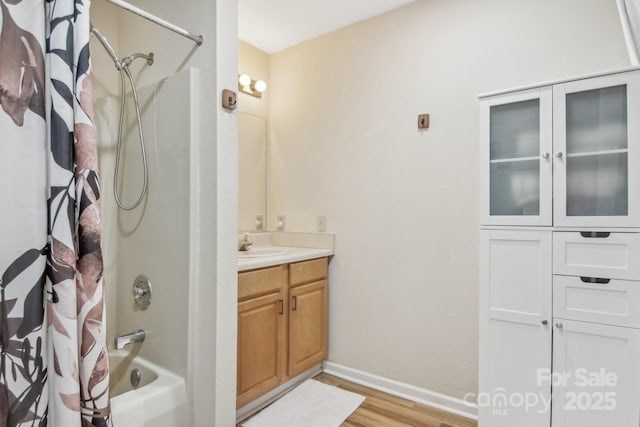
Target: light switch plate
<point>423,121</point>
<point>322,224</point>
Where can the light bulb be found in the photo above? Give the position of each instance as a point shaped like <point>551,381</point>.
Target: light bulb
<point>260,86</point>
<point>244,79</point>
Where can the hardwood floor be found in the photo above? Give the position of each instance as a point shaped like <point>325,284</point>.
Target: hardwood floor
<point>384,410</point>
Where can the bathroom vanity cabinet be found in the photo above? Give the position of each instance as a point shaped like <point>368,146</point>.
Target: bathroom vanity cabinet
<point>282,325</point>
<point>307,315</point>
<point>262,329</point>
<point>560,255</point>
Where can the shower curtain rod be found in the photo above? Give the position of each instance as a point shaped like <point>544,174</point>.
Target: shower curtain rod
<point>198,39</point>
<point>625,20</point>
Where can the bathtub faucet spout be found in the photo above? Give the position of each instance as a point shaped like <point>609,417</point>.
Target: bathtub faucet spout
<point>122,340</point>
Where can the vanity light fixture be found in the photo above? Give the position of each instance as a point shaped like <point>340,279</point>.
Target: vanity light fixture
<point>244,80</point>
<point>251,87</point>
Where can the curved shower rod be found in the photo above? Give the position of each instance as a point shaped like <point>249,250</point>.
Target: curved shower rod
<point>627,30</point>
<point>198,39</point>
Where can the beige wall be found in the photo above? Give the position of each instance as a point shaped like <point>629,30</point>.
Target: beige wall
<point>404,204</point>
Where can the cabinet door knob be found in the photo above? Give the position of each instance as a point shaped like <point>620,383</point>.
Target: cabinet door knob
<point>559,154</point>
<point>559,325</point>
<point>545,322</point>
<point>546,155</point>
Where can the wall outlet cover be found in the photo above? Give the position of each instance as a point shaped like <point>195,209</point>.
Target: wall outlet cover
<point>259,222</point>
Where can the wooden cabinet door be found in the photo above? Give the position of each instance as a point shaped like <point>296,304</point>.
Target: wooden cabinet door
<point>261,346</point>
<point>600,364</point>
<point>307,326</point>
<point>515,330</point>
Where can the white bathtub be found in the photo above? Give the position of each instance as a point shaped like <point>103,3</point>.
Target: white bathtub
<point>158,401</point>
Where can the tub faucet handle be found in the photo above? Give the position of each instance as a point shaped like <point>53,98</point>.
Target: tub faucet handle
<point>142,292</point>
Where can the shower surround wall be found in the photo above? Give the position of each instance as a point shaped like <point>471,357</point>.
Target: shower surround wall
<point>201,221</point>
<point>151,239</point>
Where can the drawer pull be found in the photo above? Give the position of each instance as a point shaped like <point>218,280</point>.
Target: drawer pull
<point>595,234</point>
<point>595,280</point>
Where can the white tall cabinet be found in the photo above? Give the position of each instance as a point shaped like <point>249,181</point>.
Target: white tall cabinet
<point>560,254</point>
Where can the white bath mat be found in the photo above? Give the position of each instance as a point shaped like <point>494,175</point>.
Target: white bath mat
<point>311,404</point>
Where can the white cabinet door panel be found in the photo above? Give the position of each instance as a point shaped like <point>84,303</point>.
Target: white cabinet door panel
<point>516,354</point>
<point>518,282</point>
<point>601,365</point>
<point>515,334</point>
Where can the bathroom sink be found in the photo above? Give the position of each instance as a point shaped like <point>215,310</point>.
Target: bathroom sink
<point>261,252</point>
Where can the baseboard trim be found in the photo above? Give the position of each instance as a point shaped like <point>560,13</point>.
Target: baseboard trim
<point>406,391</point>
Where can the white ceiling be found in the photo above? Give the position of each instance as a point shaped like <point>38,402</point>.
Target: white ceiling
<point>274,25</point>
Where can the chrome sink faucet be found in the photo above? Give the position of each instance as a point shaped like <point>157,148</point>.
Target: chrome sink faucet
<point>245,242</point>
<point>122,340</point>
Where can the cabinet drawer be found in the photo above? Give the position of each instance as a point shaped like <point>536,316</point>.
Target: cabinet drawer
<point>614,303</point>
<point>257,282</point>
<point>606,255</point>
<point>306,271</point>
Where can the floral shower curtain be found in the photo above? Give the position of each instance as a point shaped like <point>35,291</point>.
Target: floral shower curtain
<point>53,358</point>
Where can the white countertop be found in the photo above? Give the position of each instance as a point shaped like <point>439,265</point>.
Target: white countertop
<point>292,254</point>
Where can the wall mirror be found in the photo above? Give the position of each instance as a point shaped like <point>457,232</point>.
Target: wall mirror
<point>252,172</point>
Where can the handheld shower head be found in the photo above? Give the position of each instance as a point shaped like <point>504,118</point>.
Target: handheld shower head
<point>122,65</point>
<point>129,59</point>
<point>103,41</point>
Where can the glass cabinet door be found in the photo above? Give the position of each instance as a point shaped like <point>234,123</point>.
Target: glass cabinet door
<point>593,143</point>
<point>516,155</point>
